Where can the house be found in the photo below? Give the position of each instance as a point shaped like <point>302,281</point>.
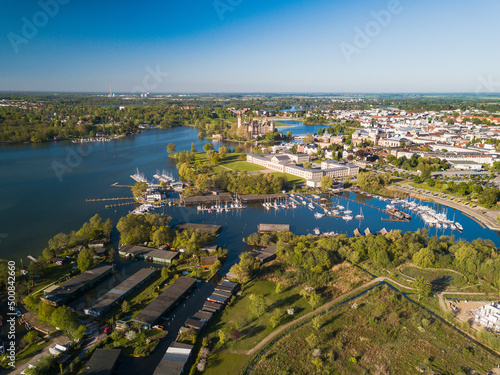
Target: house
<point>207,262</point>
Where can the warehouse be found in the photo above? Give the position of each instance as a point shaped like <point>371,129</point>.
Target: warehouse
<point>148,254</point>
<point>78,285</point>
<point>120,292</point>
<point>166,301</point>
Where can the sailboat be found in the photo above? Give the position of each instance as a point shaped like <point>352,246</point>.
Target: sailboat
<point>360,216</point>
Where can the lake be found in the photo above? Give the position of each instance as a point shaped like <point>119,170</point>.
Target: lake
<point>45,187</point>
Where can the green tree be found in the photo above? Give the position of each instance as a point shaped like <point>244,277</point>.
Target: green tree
<point>85,260</point>
<point>139,189</point>
<point>171,148</point>
<point>308,138</point>
<point>48,253</point>
<point>223,150</point>
<point>257,304</point>
<point>326,182</point>
<point>421,286</point>
<point>307,165</point>
<point>222,336</point>
<point>193,149</point>
<point>424,258</point>
<point>215,267</point>
<point>202,183</point>
<point>125,308</point>
<point>164,272</point>
<point>246,268</point>
<point>276,317</point>
<point>208,146</point>
<point>30,337</point>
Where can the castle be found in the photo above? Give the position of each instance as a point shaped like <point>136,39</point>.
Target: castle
<point>256,127</point>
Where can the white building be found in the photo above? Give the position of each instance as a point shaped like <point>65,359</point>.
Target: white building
<point>489,316</point>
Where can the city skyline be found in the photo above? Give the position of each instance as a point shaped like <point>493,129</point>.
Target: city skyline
<point>235,46</point>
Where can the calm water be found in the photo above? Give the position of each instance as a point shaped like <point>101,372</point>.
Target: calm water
<point>298,127</point>
<point>39,203</point>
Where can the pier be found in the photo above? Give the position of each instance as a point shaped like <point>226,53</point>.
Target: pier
<point>393,217</point>
<point>107,199</point>
<point>119,204</point>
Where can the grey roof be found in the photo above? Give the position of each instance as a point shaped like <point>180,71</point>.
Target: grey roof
<point>121,290</point>
<point>147,252</point>
<point>76,283</point>
<point>203,315</point>
<point>174,360</point>
<point>102,362</point>
<point>166,300</point>
<point>203,228</point>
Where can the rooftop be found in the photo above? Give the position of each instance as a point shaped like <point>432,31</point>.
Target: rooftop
<point>102,362</point>
<point>165,301</point>
<point>76,283</point>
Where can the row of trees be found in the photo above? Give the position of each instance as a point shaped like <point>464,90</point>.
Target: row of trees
<point>306,258</point>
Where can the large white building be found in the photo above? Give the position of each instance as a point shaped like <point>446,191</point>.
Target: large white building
<point>286,163</point>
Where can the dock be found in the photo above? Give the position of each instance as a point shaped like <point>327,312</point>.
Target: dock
<point>251,198</point>
<point>208,199</point>
<point>119,204</point>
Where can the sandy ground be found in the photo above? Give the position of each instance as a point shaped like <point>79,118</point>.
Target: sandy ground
<point>464,308</point>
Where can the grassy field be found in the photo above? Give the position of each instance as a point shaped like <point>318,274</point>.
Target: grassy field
<point>244,166</point>
<point>222,363</point>
<point>436,277</point>
<point>382,334</point>
<point>290,178</point>
<point>280,124</point>
<point>252,328</point>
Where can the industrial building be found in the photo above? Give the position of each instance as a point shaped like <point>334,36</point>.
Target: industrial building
<point>120,292</point>
<point>78,285</point>
<point>166,301</point>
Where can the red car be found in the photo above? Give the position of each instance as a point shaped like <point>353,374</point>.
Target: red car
<point>107,330</point>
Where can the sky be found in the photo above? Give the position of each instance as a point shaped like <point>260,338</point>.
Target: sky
<point>250,46</point>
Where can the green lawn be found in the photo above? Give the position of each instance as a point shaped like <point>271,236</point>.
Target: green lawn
<point>253,329</point>
<point>383,334</point>
<point>244,166</point>
<point>280,124</point>
<point>290,178</point>
<point>225,363</point>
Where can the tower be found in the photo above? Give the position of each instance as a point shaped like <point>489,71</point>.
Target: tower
<point>239,121</point>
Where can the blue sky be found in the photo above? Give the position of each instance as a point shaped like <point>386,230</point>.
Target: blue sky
<point>249,46</point>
